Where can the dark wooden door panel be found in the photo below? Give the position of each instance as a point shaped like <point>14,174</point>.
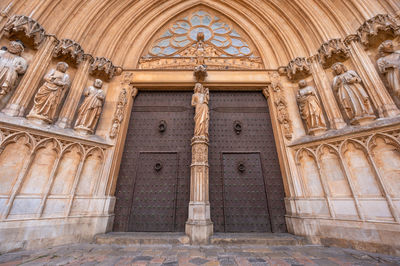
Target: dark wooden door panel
<point>245,200</point>
<point>160,122</point>
<point>154,193</point>
<point>240,123</point>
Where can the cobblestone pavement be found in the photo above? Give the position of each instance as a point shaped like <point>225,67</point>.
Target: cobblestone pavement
<point>94,254</point>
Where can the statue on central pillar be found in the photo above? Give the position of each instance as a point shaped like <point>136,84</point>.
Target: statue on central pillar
<point>352,95</point>
<point>200,100</point>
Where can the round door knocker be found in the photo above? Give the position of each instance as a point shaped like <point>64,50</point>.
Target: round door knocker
<point>162,126</point>
<point>241,167</point>
<point>158,167</point>
<point>237,126</point>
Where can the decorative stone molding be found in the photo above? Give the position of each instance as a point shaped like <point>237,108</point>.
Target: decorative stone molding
<point>298,68</point>
<point>332,51</point>
<point>70,49</point>
<point>275,89</point>
<point>104,67</point>
<point>32,29</point>
<point>382,23</point>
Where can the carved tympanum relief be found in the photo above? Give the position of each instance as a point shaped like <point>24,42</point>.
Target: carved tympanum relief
<point>310,109</point>
<point>351,95</point>
<point>50,94</point>
<point>90,110</point>
<point>222,44</point>
<point>200,100</point>
<point>389,65</point>
<point>11,66</point>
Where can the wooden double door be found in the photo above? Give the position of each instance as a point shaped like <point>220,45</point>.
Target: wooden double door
<point>246,191</point>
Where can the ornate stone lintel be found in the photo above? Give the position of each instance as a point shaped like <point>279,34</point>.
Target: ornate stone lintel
<point>104,67</point>
<point>332,51</point>
<point>370,30</point>
<point>31,28</point>
<point>298,68</point>
<point>70,49</point>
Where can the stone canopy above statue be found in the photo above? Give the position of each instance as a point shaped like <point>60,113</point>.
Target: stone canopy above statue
<point>220,44</point>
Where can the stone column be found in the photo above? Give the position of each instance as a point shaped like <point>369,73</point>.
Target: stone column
<point>324,87</point>
<point>30,81</point>
<point>71,102</point>
<point>199,227</point>
<point>370,77</point>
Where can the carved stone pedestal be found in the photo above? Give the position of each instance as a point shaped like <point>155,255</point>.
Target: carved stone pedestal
<point>199,227</point>
<point>362,120</point>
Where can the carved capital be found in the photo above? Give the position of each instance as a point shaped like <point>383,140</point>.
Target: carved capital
<point>200,72</point>
<point>332,51</point>
<point>69,49</point>
<point>298,68</point>
<point>30,27</point>
<point>103,67</point>
<point>382,24</point>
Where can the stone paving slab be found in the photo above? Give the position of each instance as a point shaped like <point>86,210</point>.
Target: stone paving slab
<point>157,255</point>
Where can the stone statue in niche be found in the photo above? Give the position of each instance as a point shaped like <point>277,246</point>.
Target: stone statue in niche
<point>11,65</point>
<point>90,110</point>
<point>352,95</point>
<point>310,109</point>
<point>389,65</point>
<point>200,100</point>
<point>49,95</point>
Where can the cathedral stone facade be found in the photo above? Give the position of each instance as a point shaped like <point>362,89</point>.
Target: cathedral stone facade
<point>200,116</point>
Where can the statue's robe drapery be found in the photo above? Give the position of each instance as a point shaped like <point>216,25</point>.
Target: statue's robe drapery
<point>310,108</point>
<point>201,118</point>
<point>49,95</point>
<point>390,66</point>
<point>352,95</point>
<point>10,66</point>
<point>90,110</point>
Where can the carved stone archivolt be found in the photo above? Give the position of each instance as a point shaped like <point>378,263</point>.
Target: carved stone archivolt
<point>382,23</point>
<point>332,51</point>
<point>90,110</point>
<point>12,65</point>
<point>70,49</point>
<point>352,95</point>
<point>104,67</point>
<point>298,68</point>
<point>310,109</point>
<point>30,27</point>
<point>389,65</point>
<point>50,94</point>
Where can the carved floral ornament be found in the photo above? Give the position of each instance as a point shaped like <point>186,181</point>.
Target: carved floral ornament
<point>70,49</point>
<point>221,44</point>
<point>31,28</point>
<point>382,23</point>
<point>332,51</point>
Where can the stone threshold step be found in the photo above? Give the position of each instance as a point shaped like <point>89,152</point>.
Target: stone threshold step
<point>149,238</point>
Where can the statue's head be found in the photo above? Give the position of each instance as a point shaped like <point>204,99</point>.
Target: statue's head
<point>198,87</point>
<point>386,47</point>
<point>62,67</point>
<point>16,47</point>
<point>98,83</point>
<point>338,68</point>
<point>302,83</point>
